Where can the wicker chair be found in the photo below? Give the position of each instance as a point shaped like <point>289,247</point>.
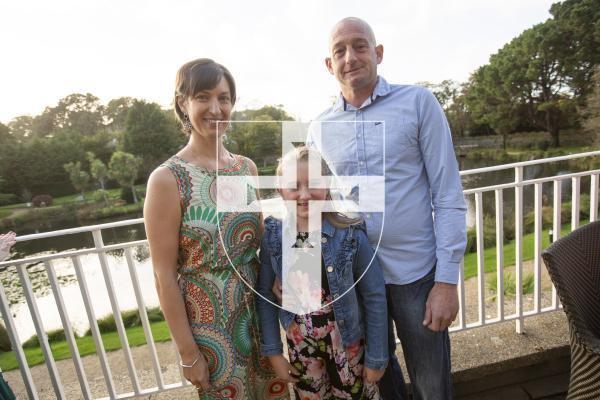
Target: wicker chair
<point>573,263</point>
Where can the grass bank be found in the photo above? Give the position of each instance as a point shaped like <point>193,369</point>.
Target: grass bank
<point>85,343</point>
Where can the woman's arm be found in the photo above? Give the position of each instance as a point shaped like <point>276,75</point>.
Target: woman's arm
<point>162,219</point>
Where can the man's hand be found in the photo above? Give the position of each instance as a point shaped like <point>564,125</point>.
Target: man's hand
<point>277,291</point>
<point>441,307</point>
<point>283,369</point>
<point>372,376</point>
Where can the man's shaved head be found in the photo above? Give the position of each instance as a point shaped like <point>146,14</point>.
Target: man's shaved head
<point>355,22</point>
<point>353,58</point>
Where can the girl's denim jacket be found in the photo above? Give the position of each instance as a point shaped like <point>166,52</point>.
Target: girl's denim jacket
<point>360,313</point>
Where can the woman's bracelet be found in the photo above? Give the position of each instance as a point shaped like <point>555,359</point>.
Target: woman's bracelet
<point>189,365</point>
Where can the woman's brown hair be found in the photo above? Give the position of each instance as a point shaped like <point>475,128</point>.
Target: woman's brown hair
<point>196,76</point>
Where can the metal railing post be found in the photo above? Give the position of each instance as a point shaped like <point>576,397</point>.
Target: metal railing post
<point>519,325</point>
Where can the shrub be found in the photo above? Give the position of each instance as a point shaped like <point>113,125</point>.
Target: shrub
<point>127,195</point>
<point>510,284</point>
<point>106,324</point>
<point>42,200</point>
<point>131,318</point>
<point>7,198</point>
<point>4,339</point>
<point>56,335</point>
<point>100,195</point>
<point>543,145</point>
<point>155,315</point>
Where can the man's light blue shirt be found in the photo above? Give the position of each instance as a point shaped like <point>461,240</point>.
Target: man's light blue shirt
<point>404,129</point>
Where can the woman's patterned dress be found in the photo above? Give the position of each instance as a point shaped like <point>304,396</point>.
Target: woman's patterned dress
<point>219,305</point>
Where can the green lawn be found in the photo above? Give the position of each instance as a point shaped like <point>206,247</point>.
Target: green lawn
<point>60,349</point>
<point>509,252</point>
<point>73,198</point>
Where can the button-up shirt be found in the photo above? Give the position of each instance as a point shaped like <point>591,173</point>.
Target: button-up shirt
<point>401,132</point>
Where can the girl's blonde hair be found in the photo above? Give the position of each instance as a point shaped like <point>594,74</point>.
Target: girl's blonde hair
<point>304,153</point>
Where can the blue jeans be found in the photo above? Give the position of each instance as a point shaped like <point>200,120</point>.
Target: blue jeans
<point>427,353</point>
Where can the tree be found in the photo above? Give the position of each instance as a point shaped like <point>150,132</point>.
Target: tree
<point>445,92</point>
<point>98,169</point>
<point>525,79</point>
<point>578,26</point>
<point>99,172</point>
<point>43,125</point>
<point>124,168</point>
<point>79,178</point>
<point>115,113</point>
<point>7,145</point>
<point>592,111</point>
<point>540,56</point>
<point>79,113</point>
<point>491,102</point>
<point>260,141</point>
<point>21,127</point>
<point>151,135</point>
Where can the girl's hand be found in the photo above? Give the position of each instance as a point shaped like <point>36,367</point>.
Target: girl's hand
<point>372,376</point>
<point>283,369</point>
<point>291,328</point>
<point>198,375</point>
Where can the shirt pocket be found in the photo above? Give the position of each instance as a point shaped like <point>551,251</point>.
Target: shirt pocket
<point>402,145</point>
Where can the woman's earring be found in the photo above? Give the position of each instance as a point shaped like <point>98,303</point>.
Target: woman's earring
<point>187,124</point>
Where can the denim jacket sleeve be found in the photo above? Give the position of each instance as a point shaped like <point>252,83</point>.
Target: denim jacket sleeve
<point>270,339</point>
<point>371,291</point>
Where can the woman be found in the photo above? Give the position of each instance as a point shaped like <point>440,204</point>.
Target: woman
<point>209,309</point>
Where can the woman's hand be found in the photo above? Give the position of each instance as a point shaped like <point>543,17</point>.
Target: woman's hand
<point>283,369</point>
<point>198,375</point>
<point>372,376</point>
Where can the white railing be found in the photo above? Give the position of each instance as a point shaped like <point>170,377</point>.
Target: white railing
<point>463,322</point>
<point>518,185</point>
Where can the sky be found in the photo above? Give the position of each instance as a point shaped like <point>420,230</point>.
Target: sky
<point>275,49</point>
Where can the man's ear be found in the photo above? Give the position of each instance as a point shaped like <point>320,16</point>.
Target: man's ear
<point>328,65</point>
<point>379,53</point>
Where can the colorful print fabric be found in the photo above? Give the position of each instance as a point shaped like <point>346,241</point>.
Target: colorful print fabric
<point>219,305</point>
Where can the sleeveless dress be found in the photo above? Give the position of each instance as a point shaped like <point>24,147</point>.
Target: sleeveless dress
<point>219,305</point>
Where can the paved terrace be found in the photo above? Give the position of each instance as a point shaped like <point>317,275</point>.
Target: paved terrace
<point>492,362</point>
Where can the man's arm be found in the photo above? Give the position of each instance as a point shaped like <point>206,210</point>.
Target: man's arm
<point>435,141</point>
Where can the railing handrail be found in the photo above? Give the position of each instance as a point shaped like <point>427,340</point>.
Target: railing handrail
<point>116,224</point>
<point>527,163</point>
<point>80,229</point>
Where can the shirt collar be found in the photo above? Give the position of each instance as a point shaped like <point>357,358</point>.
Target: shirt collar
<point>382,88</point>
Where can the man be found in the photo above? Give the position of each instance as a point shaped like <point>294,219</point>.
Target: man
<point>420,254</point>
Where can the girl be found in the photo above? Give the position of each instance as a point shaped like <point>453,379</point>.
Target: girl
<point>340,350</point>
<point>209,309</point>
